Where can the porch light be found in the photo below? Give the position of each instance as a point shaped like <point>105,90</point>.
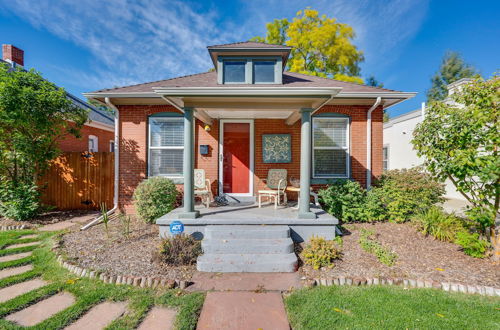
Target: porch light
<point>208,128</point>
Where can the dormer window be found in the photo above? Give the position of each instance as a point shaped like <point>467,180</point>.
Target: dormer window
<point>249,70</point>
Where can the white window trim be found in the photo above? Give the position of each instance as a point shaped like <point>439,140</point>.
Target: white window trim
<point>387,158</point>
<point>111,145</point>
<point>347,148</point>
<point>170,176</point>
<point>96,143</point>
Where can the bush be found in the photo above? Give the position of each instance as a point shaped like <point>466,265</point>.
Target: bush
<point>471,244</point>
<point>408,192</point>
<point>154,197</point>
<point>179,250</point>
<point>371,245</point>
<point>20,201</point>
<point>438,224</point>
<point>320,252</point>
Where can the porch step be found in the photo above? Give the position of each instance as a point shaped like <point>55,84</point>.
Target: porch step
<point>249,263</point>
<point>247,248</point>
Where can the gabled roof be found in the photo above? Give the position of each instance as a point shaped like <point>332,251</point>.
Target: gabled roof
<point>249,44</point>
<point>209,79</point>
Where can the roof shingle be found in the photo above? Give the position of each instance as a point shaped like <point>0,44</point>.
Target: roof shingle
<point>249,44</point>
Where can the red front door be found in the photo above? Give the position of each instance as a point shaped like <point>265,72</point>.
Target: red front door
<point>236,158</point>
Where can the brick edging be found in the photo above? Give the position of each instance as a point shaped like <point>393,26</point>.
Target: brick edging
<point>16,227</point>
<point>407,283</point>
<point>143,282</point>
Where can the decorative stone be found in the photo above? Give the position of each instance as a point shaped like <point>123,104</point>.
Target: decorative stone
<point>348,281</point>
<point>143,282</point>
<point>101,276</point>
<point>92,274</point>
<point>182,285</point>
<point>369,281</point>
<point>336,281</point>
<point>376,281</point>
<point>137,281</point>
<point>497,292</point>
<point>436,285</point>
<point>322,281</point>
<point>471,289</point>
<point>329,282</point>
<point>454,287</point>
<point>130,280</point>
<point>342,280</point>
<point>420,284</point>
<point>84,273</point>
<point>119,279</point>
<point>489,291</point>
<point>356,281</point>
<point>390,281</point>
<point>406,283</point>
<point>398,281</point>
<point>412,282</point>
<point>383,281</point>
<point>171,284</point>
<point>309,283</point>
<point>150,282</point>
<point>428,284</point>
<point>462,288</point>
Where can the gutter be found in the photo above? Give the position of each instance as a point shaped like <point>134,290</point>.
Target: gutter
<point>117,166</point>
<point>369,142</point>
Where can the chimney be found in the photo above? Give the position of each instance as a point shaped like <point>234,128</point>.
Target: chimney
<point>13,55</point>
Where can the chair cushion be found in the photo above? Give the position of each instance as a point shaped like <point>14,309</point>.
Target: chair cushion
<point>201,192</point>
<point>270,192</point>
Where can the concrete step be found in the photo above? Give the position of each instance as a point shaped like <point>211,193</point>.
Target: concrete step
<point>247,246</point>
<point>246,232</point>
<point>249,263</point>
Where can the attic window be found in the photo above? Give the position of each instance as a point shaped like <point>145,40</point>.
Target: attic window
<point>249,70</point>
<point>263,71</point>
<point>234,72</point>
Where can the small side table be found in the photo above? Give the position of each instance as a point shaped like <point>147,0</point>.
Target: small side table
<point>297,190</point>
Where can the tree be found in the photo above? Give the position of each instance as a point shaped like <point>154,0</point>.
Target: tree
<point>34,115</point>
<point>452,68</point>
<point>321,46</point>
<point>371,81</point>
<point>459,141</point>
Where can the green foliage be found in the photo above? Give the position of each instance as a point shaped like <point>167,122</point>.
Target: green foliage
<point>179,250</point>
<point>321,45</point>
<point>125,221</point>
<point>105,218</point>
<point>320,252</point>
<point>407,192</point>
<point>344,199</point>
<point>154,197</point>
<point>452,68</point>
<point>459,141</point>
<point>369,243</point>
<point>472,244</point>
<point>438,224</point>
<point>372,81</point>
<point>19,201</point>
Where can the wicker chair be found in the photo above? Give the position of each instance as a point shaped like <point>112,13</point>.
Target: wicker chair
<point>276,182</point>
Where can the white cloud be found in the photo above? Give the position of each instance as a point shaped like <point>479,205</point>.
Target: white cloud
<point>139,41</point>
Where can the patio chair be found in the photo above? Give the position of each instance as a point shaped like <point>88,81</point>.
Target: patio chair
<point>276,182</point>
<point>202,187</point>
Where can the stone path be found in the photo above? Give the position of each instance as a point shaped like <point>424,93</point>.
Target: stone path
<point>159,318</point>
<point>69,223</point>
<point>12,257</point>
<point>42,310</point>
<point>7,272</point>
<point>243,310</point>
<point>15,290</point>
<point>20,245</point>
<point>29,236</point>
<point>99,316</point>
<point>245,281</point>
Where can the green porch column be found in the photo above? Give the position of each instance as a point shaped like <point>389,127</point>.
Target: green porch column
<point>305,165</point>
<point>188,211</point>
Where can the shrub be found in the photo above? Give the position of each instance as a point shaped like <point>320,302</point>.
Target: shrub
<point>320,252</point>
<point>154,197</point>
<point>407,192</point>
<point>179,250</point>
<point>371,245</point>
<point>20,201</point>
<point>438,224</point>
<point>471,244</point>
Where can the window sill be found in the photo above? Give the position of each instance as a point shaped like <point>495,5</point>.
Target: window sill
<point>327,180</point>
<point>175,179</point>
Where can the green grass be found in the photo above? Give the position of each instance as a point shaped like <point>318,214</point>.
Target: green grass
<point>88,292</point>
<point>390,308</point>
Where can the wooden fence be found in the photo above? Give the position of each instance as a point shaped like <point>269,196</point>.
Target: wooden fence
<point>79,180</point>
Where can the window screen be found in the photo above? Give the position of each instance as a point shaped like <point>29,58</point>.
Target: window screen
<point>166,146</point>
<point>330,147</point>
<point>234,71</point>
<point>263,71</point>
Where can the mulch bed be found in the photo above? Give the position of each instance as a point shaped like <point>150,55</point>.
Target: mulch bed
<point>47,218</point>
<point>419,257</point>
<point>119,255</point>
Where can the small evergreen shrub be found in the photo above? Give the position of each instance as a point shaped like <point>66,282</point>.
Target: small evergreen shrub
<point>179,250</point>
<point>369,243</point>
<point>19,201</point>
<point>407,192</point>
<point>154,197</point>
<point>472,244</point>
<point>438,224</point>
<point>320,252</point>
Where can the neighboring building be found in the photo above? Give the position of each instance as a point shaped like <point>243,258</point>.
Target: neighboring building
<point>97,133</point>
<point>398,151</point>
<point>250,116</point>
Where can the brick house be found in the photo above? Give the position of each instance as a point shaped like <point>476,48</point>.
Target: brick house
<point>223,118</point>
<point>96,135</point>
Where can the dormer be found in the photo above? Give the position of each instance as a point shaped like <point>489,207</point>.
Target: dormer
<point>249,63</point>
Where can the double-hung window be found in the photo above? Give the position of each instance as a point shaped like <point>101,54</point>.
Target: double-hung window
<point>330,147</point>
<point>166,146</point>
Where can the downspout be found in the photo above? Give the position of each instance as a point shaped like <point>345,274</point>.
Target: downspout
<point>117,166</point>
<point>369,143</point>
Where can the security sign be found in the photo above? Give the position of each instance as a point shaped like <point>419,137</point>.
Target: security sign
<point>176,227</point>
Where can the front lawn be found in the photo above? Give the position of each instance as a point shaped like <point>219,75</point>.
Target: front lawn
<point>390,308</point>
<point>88,292</point>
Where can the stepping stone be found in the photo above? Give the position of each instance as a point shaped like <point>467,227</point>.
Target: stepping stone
<point>29,236</point>
<point>99,316</point>
<point>17,256</point>
<point>159,318</point>
<point>244,281</point>
<point>18,289</point>
<point>57,226</point>
<point>243,310</point>
<point>7,272</point>
<point>42,310</point>
<point>15,246</point>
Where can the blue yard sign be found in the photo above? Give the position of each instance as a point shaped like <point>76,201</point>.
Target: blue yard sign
<point>176,227</point>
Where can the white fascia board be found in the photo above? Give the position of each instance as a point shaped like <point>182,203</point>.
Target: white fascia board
<point>99,125</point>
<point>249,91</point>
<point>120,95</point>
<point>383,95</point>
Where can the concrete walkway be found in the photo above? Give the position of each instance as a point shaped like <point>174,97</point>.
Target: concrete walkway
<point>69,223</point>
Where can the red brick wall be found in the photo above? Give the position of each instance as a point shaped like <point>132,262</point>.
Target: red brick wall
<point>133,152</point>
<point>71,143</point>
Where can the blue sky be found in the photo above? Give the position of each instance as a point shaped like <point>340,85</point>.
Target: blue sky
<point>86,45</point>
